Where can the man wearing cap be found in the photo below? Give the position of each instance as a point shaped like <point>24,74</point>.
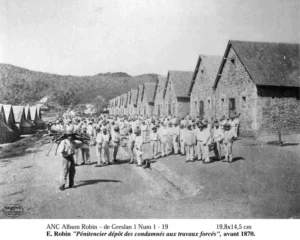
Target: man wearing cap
<point>106,138</point>
<point>138,145</point>
<point>116,139</point>
<point>190,140</point>
<point>222,123</point>
<point>67,149</point>
<point>194,128</point>
<point>90,132</point>
<point>206,141</point>
<point>218,136</point>
<point>200,139</point>
<point>130,144</point>
<point>229,137</point>
<point>85,150</point>
<point>170,138</point>
<point>154,142</point>
<point>99,140</point>
<point>236,124</point>
<point>163,138</point>
<point>182,132</point>
<point>70,126</point>
<point>175,137</point>
<point>144,129</point>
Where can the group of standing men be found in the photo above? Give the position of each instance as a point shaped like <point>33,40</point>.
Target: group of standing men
<point>166,135</point>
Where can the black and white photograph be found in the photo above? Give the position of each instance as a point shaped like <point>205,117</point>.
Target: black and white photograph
<point>150,109</point>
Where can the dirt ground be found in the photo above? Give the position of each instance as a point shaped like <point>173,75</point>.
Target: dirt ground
<point>262,182</point>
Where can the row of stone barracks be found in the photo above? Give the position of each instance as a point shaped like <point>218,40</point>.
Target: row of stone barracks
<point>258,80</point>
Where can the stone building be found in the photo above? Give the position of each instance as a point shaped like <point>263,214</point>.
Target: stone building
<point>158,98</point>
<point>121,109</point>
<point>177,101</point>
<point>115,106</point>
<point>132,106</point>
<point>118,102</point>
<point>110,106</point>
<point>140,99</point>
<point>128,102</point>
<point>147,103</point>
<point>124,104</point>
<point>260,81</point>
<point>201,91</point>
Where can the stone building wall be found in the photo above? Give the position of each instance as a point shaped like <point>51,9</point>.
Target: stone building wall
<point>202,91</point>
<point>183,108</point>
<point>280,110</point>
<point>159,103</point>
<point>235,83</point>
<point>170,101</point>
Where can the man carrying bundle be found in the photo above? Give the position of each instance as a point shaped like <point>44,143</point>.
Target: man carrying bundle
<point>67,149</point>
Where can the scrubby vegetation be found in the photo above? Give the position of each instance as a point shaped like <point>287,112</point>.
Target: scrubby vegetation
<point>23,86</point>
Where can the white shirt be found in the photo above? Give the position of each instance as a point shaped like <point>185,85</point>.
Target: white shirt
<point>89,129</point>
<point>218,134</point>
<point>153,136</point>
<point>199,135</point>
<point>138,143</point>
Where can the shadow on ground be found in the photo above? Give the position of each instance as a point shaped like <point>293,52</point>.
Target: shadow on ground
<point>95,181</point>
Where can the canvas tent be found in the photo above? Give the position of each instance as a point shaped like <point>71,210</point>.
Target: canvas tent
<point>23,126</point>
<point>10,120</point>
<point>35,118</point>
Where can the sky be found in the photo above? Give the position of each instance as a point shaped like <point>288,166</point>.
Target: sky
<point>87,37</point>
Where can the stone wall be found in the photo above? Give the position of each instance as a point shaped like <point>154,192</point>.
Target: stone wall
<point>202,91</point>
<point>183,108</point>
<point>280,110</point>
<point>174,107</point>
<point>235,83</point>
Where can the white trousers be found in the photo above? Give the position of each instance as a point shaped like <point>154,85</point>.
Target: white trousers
<point>175,144</point>
<point>189,152</point>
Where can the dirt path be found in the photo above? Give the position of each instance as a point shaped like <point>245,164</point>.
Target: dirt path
<point>263,182</point>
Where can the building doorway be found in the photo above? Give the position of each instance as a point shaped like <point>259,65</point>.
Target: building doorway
<point>201,109</point>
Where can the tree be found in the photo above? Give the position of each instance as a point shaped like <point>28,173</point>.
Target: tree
<point>67,94</point>
<point>18,91</point>
<point>99,103</point>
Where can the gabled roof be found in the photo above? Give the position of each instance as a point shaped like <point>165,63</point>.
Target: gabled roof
<point>124,99</point>
<point>141,92</point>
<point>134,96</point>
<point>149,92</point>
<point>181,81</point>
<point>128,97</point>
<point>268,64</point>
<point>211,65</point>
<point>160,88</point>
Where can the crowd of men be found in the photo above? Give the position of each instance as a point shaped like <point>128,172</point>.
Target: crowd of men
<point>193,137</point>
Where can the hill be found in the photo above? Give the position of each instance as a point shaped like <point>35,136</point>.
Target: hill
<point>36,84</point>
